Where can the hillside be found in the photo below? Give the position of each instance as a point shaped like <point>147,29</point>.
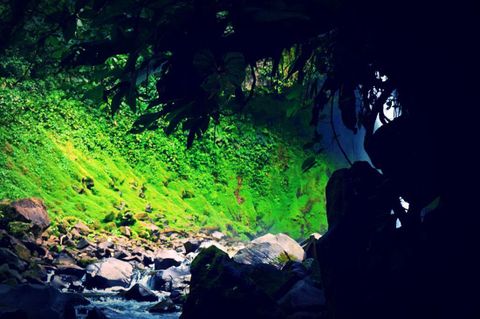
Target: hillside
<point>243,178</point>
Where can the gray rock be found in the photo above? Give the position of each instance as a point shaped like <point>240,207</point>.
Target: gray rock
<point>139,293</point>
<point>83,243</point>
<point>275,250</point>
<point>65,259</point>
<point>289,245</point>
<point>164,306</point>
<point>107,273</point>
<point>166,258</point>
<point>71,270</point>
<point>105,245</point>
<point>262,253</point>
<point>175,277</point>
<point>217,235</point>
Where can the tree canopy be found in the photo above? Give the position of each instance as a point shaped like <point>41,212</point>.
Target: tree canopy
<point>192,61</point>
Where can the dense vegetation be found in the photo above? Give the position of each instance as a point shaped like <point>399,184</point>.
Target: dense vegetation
<point>244,178</point>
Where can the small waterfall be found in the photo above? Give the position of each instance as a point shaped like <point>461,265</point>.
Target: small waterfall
<point>116,307</point>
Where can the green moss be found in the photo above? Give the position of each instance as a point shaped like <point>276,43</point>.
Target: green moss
<point>18,228</point>
<point>243,178</point>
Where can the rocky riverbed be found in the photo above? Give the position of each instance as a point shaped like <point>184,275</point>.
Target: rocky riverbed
<point>78,274</point>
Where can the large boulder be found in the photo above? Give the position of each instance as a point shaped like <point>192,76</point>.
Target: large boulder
<point>165,258</point>
<point>171,278</point>
<point>270,249</point>
<point>289,245</point>
<point>139,293</point>
<point>108,273</point>
<point>223,288</point>
<point>31,211</point>
<point>37,302</point>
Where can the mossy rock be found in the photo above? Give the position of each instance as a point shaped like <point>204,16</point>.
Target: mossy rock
<point>19,229</point>
<point>233,290</point>
<point>141,216</point>
<point>125,219</point>
<point>85,261</point>
<point>110,217</point>
<point>187,194</point>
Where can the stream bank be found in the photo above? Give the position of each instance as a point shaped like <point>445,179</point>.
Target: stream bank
<point>90,275</point>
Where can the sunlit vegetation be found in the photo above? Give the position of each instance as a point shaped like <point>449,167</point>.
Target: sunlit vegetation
<point>244,177</point>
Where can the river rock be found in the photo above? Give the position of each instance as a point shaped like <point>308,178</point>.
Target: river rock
<point>275,250</point>
<point>139,293</point>
<point>71,270</point>
<point>209,243</point>
<point>83,243</point>
<point>289,245</point>
<point>262,253</point>
<point>108,273</point>
<point>82,228</point>
<point>64,258</point>
<point>171,278</point>
<point>37,301</point>
<point>166,258</point>
<point>217,235</point>
<point>164,306</point>
<point>191,245</point>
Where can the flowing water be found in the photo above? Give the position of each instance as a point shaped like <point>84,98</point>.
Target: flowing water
<point>116,307</point>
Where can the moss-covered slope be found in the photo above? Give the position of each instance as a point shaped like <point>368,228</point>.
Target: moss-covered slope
<point>242,178</point>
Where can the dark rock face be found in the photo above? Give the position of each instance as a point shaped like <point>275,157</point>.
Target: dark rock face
<point>139,293</point>
<point>107,273</point>
<point>37,302</point>
<point>369,268</point>
<point>222,288</point>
